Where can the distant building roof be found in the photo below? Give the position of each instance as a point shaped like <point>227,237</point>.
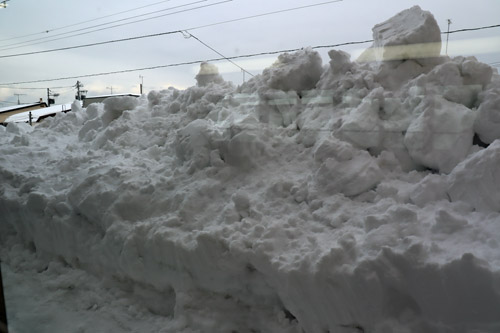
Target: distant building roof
<point>21,106</point>
<point>112,95</point>
<point>99,98</point>
<point>38,114</point>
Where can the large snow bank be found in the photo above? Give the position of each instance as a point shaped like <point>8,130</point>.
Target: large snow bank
<point>348,198</point>
<point>411,34</point>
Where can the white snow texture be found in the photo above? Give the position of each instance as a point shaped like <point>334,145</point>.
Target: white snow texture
<point>340,198</point>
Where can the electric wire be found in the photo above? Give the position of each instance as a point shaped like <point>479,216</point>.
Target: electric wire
<point>152,35</point>
<point>174,32</point>
<point>264,14</point>
<point>2,85</point>
<point>32,88</point>
<point>83,22</point>
<point>471,29</point>
<point>51,39</point>
<point>180,64</point>
<point>91,44</point>
<point>192,28</point>
<point>220,54</point>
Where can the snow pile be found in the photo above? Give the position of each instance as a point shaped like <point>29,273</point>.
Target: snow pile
<point>349,198</point>
<point>208,73</point>
<point>411,34</point>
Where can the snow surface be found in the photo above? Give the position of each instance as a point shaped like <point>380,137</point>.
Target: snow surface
<point>341,198</point>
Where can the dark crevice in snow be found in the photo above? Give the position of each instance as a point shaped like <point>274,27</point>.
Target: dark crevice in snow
<point>289,315</point>
<point>356,327</point>
<point>250,268</point>
<point>478,142</point>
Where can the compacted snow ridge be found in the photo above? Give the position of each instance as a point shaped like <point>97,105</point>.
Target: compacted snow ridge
<point>341,197</point>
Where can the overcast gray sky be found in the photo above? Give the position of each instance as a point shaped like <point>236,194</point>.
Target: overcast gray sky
<point>348,20</point>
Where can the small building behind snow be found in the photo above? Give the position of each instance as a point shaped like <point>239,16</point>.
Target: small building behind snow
<point>9,111</point>
<point>37,115</point>
<point>99,98</point>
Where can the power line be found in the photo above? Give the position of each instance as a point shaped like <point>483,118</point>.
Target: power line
<point>199,27</point>
<point>211,48</point>
<point>26,88</point>
<point>157,34</point>
<point>470,29</point>
<point>181,64</point>
<point>201,61</point>
<point>83,22</point>
<point>264,14</point>
<point>48,39</point>
<point>192,28</point>
<point>91,44</point>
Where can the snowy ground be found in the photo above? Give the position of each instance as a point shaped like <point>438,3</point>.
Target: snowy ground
<point>360,196</point>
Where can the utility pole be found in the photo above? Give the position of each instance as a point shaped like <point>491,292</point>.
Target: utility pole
<point>111,87</point>
<point>78,94</point>
<point>142,82</point>
<point>81,94</point>
<point>18,101</point>
<point>3,312</point>
<point>448,36</point>
<point>51,100</point>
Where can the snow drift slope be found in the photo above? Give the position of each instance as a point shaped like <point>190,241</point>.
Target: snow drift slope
<point>348,201</point>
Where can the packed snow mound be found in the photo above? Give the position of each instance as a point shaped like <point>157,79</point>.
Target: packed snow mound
<point>441,136</point>
<point>477,180</point>
<point>309,199</point>
<point>208,73</point>
<point>411,34</point>
<point>297,72</point>
<point>487,123</point>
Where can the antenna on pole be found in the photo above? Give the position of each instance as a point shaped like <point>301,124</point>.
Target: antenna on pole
<point>448,36</point>
<point>81,94</point>
<point>18,100</point>
<point>142,82</point>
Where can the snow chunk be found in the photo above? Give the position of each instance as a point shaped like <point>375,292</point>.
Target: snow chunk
<point>345,169</point>
<point>431,189</point>
<point>441,136</point>
<point>411,34</point>
<point>363,126</point>
<point>448,223</point>
<point>475,72</point>
<point>487,124</point>
<point>114,107</point>
<point>340,62</point>
<point>477,179</point>
<point>244,150</point>
<point>208,73</point>
<point>195,142</point>
<point>297,71</point>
